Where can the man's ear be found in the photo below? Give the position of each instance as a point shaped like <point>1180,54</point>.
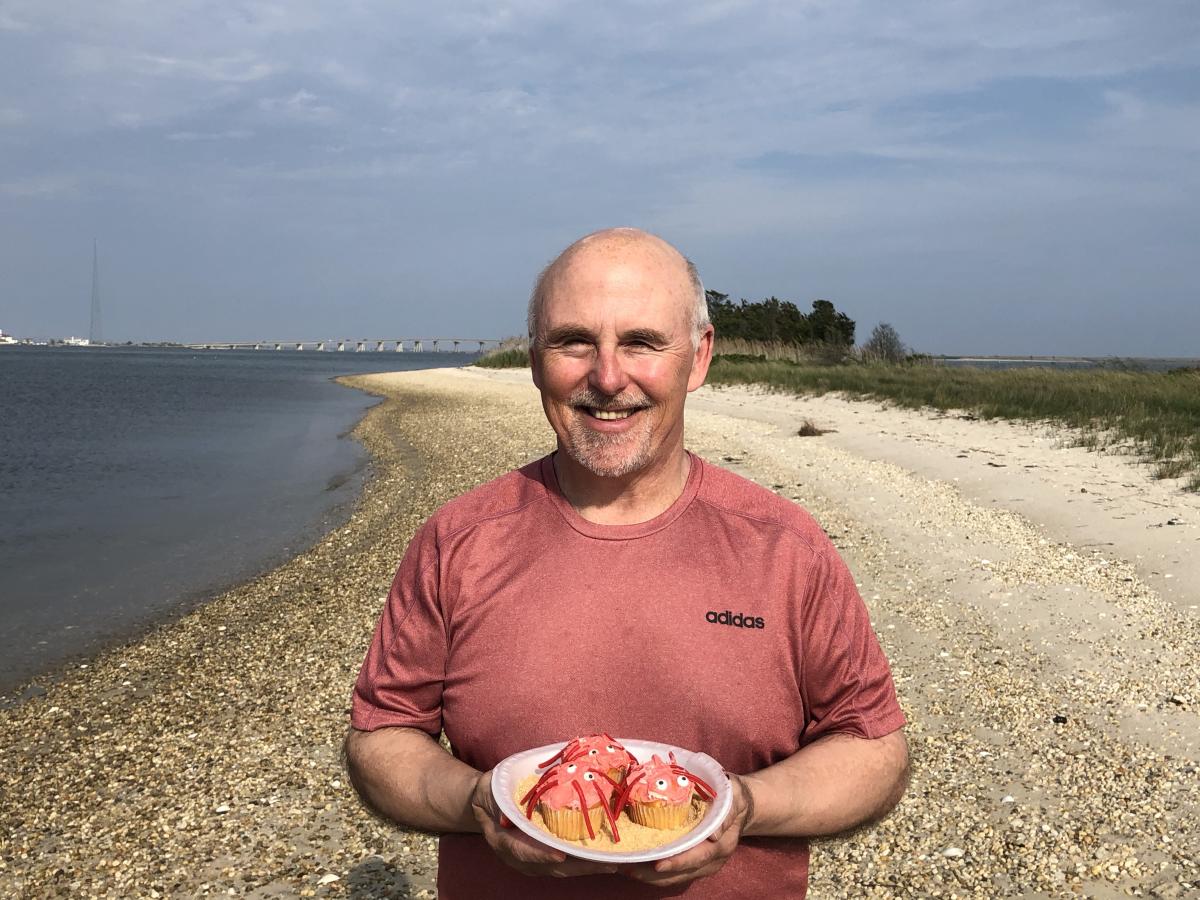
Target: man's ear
<point>702,358</point>
<point>533,367</point>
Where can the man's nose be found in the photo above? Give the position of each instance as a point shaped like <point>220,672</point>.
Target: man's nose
<point>607,374</point>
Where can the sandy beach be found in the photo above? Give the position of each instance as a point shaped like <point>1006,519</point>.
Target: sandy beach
<point>1038,603</point>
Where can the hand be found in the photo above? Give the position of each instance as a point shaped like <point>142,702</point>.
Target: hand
<point>707,857</point>
<point>517,849</point>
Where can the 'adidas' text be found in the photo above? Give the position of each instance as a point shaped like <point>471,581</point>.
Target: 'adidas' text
<point>739,620</point>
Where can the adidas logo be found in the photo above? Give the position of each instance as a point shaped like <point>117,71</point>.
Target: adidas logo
<point>738,620</point>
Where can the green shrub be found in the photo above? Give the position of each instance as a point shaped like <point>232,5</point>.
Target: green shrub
<point>504,358</point>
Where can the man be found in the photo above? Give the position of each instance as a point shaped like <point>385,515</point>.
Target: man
<point>591,591</point>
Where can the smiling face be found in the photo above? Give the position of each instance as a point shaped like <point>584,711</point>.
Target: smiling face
<point>614,355</point>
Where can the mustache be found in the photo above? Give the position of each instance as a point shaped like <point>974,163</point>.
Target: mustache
<point>620,403</point>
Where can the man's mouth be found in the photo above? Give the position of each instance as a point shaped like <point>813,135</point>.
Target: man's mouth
<point>596,406</point>
<point>609,414</point>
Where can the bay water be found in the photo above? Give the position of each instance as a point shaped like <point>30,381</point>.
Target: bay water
<point>135,482</point>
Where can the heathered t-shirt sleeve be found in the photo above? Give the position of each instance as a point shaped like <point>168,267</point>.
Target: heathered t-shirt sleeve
<point>846,678</point>
<point>400,683</point>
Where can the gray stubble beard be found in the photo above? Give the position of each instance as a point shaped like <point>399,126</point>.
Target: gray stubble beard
<point>588,448</point>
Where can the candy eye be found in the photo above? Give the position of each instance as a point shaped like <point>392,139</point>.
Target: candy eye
<point>661,784</point>
<point>682,781</point>
<point>609,748</point>
<point>571,768</point>
<point>593,752</point>
<point>589,776</point>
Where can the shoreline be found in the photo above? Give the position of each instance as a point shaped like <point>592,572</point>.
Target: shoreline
<point>35,685</point>
<point>218,471</point>
<point>218,735</point>
<point>135,628</point>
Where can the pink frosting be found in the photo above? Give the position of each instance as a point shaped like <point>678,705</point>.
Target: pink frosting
<point>659,783</point>
<point>563,794</point>
<point>600,750</point>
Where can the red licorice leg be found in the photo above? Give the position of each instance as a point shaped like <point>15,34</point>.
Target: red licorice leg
<point>608,813</point>
<point>583,808</point>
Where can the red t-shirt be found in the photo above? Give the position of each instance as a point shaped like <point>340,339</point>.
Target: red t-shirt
<point>513,622</point>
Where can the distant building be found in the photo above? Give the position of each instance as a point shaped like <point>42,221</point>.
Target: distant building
<point>76,342</point>
<point>7,338</point>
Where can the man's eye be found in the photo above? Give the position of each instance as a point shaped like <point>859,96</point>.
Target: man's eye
<point>574,345</point>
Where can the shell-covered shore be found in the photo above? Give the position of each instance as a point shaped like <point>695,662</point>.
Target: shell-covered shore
<point>1054,743</point>
<point>206,757</point>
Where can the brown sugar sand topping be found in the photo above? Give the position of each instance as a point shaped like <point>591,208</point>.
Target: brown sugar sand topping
<point>635,838</point>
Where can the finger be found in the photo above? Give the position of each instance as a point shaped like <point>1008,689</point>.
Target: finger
<point>565,867</point>
<point>731,816</point>
<point>529,852</point>
<point>574,867</point>
<point>697,856</point>
<point>649,875</point>
<point>719,831</point>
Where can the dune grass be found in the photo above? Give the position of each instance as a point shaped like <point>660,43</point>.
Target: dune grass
<point>504,358</point>
<point>1153,415</point>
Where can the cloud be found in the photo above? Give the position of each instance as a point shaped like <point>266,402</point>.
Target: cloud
<point>38,186</point>
<point>343,75</point>
<point>11,117</point>
<point>1135,121</point>
<point>233,134</point>
<point>9,22</point>
<point>240,69</point>
<point>301,106</point>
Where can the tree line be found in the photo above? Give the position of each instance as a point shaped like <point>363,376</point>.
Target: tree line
<point>779,321</point>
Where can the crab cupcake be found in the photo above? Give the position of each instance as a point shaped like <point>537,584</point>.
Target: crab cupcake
<point>599,751</point>
<point>573,798</point>
<point>658,793</point>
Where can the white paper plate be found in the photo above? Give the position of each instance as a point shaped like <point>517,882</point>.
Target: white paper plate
<point>509,773</point>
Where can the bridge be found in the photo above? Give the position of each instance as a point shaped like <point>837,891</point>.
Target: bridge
<point>366,345</point>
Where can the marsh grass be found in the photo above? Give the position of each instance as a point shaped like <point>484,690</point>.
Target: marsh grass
<point>1153,415</point>
<point>513,353</point>
<point>509,358</point>
<point>811,354</point>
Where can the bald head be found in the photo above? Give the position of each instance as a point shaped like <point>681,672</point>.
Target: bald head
<point>619,244</point>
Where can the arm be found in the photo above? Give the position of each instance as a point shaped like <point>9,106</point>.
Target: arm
<point>404,775</point>
<point>830,786</point>
<point>833,785</point>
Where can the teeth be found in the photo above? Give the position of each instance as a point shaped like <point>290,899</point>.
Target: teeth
<point>612,414</point>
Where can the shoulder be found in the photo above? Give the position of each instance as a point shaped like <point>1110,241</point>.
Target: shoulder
<point>756,508</point>
<point>496,499</point>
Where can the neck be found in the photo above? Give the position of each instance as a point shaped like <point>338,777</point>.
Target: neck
<point>628,500</point>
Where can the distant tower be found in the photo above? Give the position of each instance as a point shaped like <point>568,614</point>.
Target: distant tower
<point>94,332</point>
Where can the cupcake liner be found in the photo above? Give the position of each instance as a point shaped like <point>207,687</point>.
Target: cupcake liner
<point>660,815</point>
<point>568,823</point>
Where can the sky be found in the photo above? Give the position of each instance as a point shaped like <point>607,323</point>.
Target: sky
<point>988,178</point>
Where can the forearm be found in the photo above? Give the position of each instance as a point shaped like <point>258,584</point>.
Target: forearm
<point>828,787</point>
<point>406,776</point>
